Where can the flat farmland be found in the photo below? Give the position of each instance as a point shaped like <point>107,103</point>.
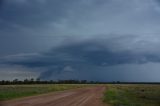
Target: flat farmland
<point>80,95</point>
<point>84,95</point>
<point>8,92</point>
<point>132,95</point>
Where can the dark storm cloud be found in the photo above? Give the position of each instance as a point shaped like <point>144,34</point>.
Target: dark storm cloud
<point>92,51</point>
<point>28,23</point>
<point>86,39</point>
<point>1,3</point>
<point>33,13</point>
<point>74,60</point>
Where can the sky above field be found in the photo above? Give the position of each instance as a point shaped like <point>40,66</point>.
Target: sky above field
<point>100,40</point>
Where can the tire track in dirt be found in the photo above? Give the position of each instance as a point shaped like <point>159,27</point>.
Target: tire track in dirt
<point>91,96</point>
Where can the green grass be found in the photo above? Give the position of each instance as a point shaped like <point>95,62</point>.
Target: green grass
<point>132,95</point>
<point>16,91</point>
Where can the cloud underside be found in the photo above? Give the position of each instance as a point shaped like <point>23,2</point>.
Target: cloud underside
<point>85,39</point>
<point>89,60</point>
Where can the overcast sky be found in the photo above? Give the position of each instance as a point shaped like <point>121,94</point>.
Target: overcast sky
<point>101,40</point>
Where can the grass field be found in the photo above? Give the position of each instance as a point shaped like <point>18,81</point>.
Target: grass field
<point>132,95</point>
<point>15,91</point>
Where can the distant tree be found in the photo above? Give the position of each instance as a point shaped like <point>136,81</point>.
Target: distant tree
<point>15,81</point>
<point>84,81</point>
<point>118,82</point>
<point>3,82</point>
<point>32,79</point>
<point>26,81</point>
<point>38,80</point>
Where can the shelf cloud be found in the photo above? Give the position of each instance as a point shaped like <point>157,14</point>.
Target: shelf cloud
<point>104,40</point>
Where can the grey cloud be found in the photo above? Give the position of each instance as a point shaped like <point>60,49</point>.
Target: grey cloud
<point>99,34</point>
<point>79,60</point>
<point>32,13</point>
<point>11,72</point>
<point>86,52</point>
<point>26,25</point>
<point>1,3</point>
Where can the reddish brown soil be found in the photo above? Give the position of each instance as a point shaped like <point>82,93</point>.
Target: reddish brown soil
<point>79,97</point>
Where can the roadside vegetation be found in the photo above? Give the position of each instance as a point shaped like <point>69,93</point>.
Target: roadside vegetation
<point>132,95</point>
<point>15,91</point>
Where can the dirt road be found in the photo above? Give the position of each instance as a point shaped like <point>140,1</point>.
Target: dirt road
<point>78,97</point>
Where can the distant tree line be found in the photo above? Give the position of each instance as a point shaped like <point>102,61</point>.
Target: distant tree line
<point>38,81</point>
